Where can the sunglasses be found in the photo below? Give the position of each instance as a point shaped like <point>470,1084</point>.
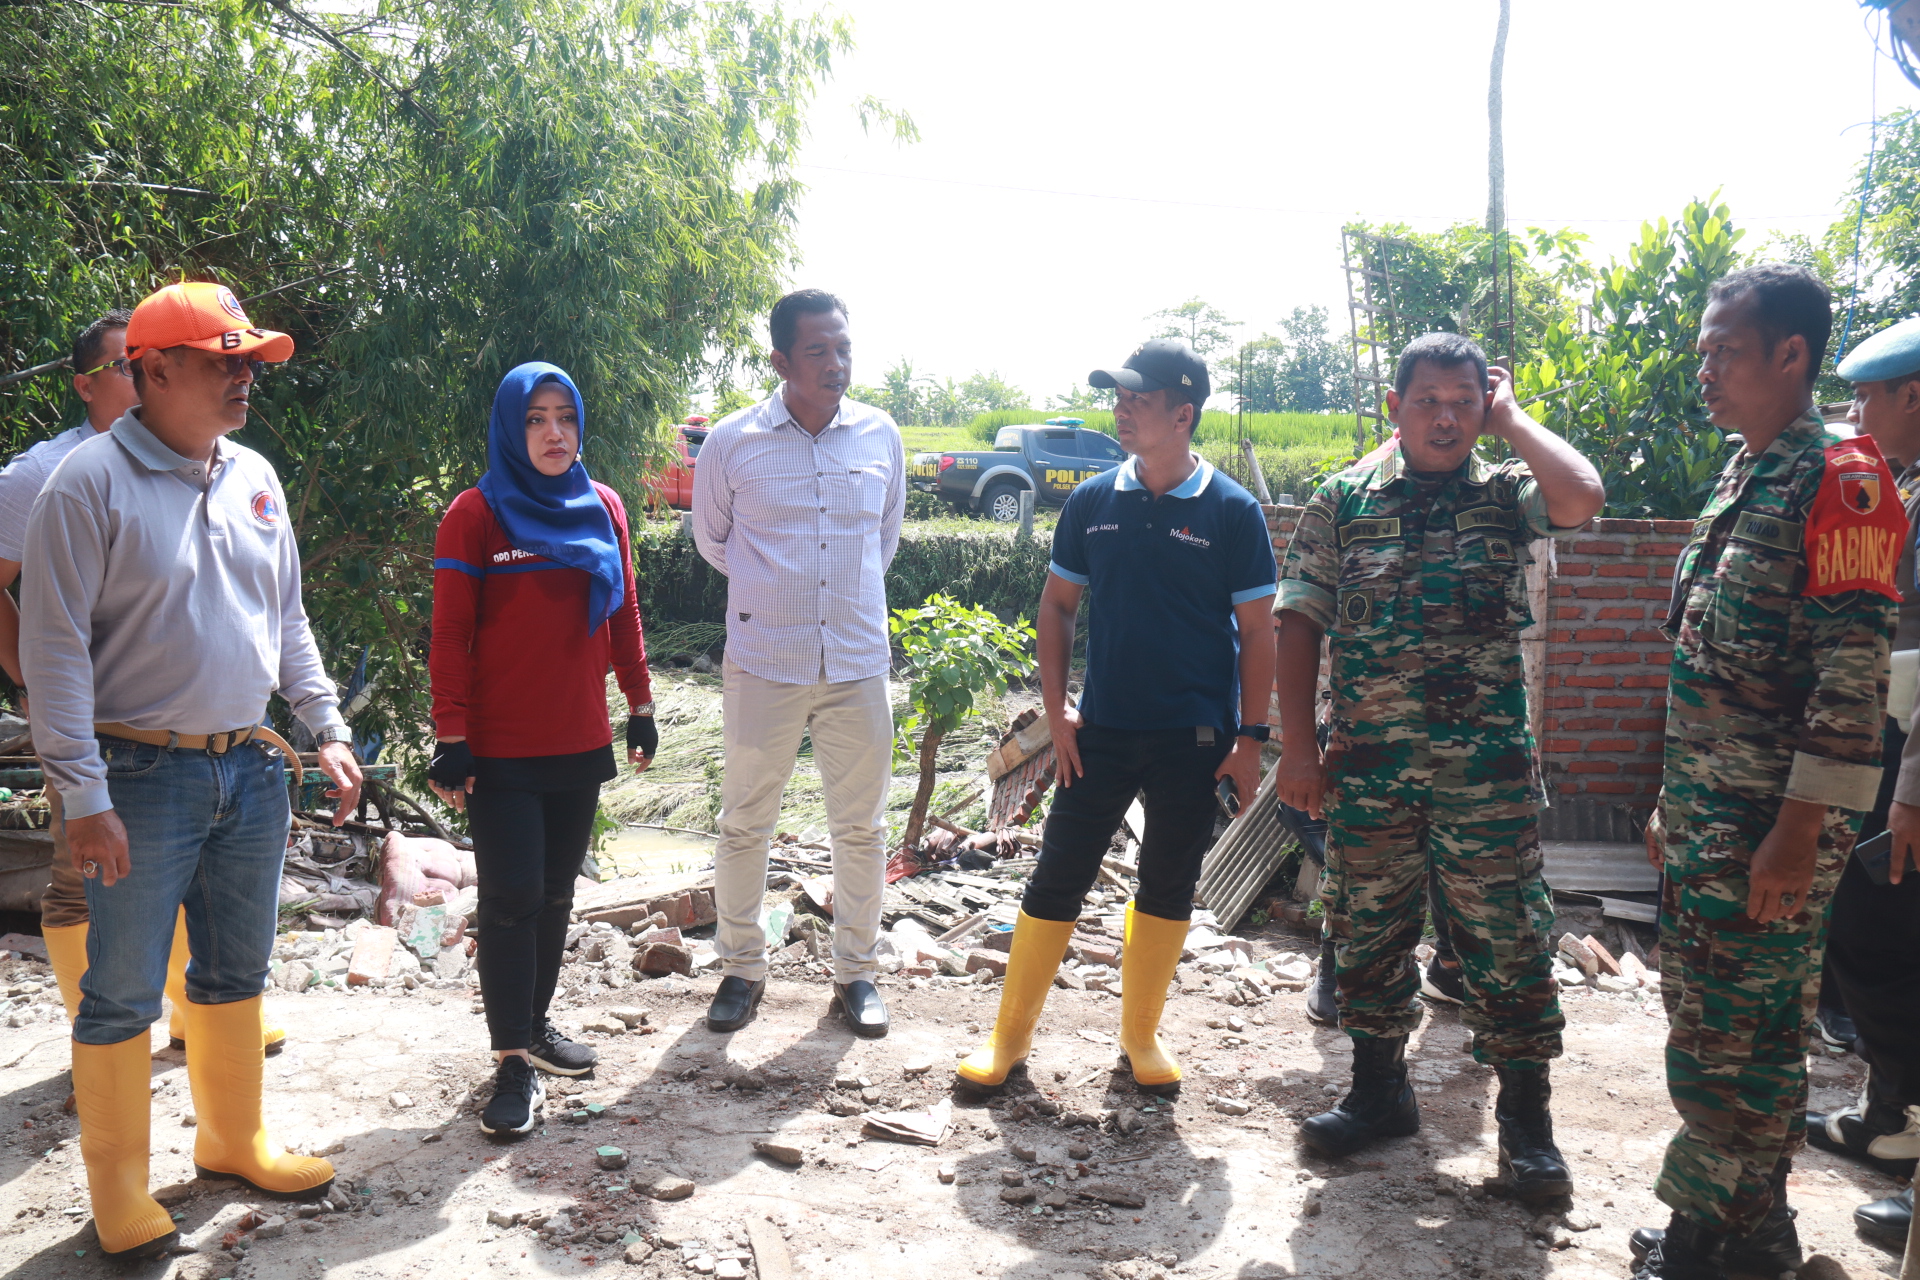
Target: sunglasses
<point>232,365</point>
<point>118,366</point>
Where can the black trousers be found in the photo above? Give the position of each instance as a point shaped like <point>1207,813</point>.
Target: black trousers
<point>1873,952</point>
<point>1171,771</point>
<point>528,847</point>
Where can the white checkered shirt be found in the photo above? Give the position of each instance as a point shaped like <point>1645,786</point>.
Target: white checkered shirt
<point>804,527</point>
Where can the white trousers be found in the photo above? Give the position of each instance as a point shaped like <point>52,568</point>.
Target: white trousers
<point>852,727</point>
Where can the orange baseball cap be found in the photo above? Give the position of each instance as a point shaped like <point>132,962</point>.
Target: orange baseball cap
<point>203,315</point>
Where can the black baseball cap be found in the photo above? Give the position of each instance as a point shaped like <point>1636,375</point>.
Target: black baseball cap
<point>1162,362</point>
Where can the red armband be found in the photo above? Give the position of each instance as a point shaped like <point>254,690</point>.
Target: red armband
<point>1857,527</point>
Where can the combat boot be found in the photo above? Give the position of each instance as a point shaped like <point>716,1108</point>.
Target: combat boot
<point>1877,1130</point>
<point>1323,1001</point>
<point>1770,1249</point>
<point>1685,1251</point>
<point>1887,1221</point>
<point>1381,1104</point>
<point>1529,1161</point>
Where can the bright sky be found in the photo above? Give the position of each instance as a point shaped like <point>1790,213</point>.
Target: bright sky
<point>1082,165</point>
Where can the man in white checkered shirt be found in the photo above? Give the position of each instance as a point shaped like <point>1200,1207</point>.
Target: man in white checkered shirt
<point>798,501</point>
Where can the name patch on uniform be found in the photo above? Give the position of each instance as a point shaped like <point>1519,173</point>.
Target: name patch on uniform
<point>1356,606</point>
<point>1700,529</point>
<point>1369,530</point>
<point>1483,518</point>
<point>1764,530</point>
<point>1500,549</point>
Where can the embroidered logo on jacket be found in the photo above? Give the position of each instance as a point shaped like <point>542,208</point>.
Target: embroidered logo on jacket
<point>265,510</point>
<point>1853,538</point>
<point>1189,537</point>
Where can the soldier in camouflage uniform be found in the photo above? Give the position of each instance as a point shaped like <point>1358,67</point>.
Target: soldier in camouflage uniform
<point>1413,562</point>
<point>1783,605</point>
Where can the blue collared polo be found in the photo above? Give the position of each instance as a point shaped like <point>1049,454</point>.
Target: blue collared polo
<point>1163,576</point>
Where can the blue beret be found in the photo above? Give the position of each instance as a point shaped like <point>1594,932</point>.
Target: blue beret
<point>1891,353</point>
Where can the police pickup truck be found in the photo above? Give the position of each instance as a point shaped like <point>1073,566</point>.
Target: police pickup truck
<point>1049,458</point>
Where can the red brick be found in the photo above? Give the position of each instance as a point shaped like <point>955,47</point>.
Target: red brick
<point>1559,590</point>
<point>1672,526</point>
<point>1563,744</point>
<point>1559,637</point>
<point>1598,549</point>
<point>1651,788</point>
<point>1656,703</point>
<point>1569,612</point>
<point>1656,724</point>
<point>1616,524</point>
<point>1610,788</point>
<point>1599,633</point>
<point>1566,656</point>
<point>1644,682</point>
<point>1569,788</point>
<point>1613,744</point>
<point>1593,766</point>
<point>1650,637</point>
<point>1607,593</point>
<point>1622,613</point>
<point>1563,701</point>
<point>1594,682</point>
<point>1645,769</point>
<point>1651,593</point>
<point>1566,570</point>
<point>1609,659</point>
<point>1586,724</point>
<point>1672,549</point>
<point>1623,570</point>
<point>372,955</point>
<point>1613,700</point>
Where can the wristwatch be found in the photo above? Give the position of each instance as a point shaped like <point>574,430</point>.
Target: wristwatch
<point>333,733</point>
<point>1258,732</point>
<point>644,709</point>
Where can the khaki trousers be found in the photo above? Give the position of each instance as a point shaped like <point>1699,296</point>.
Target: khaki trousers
<point>851,724</point>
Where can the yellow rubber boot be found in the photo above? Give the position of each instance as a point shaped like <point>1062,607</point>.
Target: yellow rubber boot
<point>225,1065</point>
<point>274,1038</point>
<point>112,1091</point>
<point>67,953</point>
<point>1038,947</point>
<point>1146,970</point>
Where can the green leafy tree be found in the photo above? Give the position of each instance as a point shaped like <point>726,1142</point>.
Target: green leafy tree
<point>1622,390</point>
<point>1303,372</point>
<point>424,194</point>
<point>1202,325</point>
<point>1080,398</point>
<point>954,654</point>
<point>1888,238</point>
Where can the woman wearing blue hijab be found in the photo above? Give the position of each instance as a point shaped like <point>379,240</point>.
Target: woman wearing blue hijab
<point>533,601</point>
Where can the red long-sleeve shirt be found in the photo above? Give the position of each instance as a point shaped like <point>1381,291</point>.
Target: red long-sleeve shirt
<point>513,668</point>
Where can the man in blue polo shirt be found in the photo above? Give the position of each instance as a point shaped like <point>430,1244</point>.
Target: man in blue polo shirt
<point>1179,563</point>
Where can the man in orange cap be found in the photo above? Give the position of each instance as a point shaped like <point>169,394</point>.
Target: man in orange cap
<point>160,602</point>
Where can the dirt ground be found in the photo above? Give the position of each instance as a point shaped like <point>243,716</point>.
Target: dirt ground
<point>387,1082</point>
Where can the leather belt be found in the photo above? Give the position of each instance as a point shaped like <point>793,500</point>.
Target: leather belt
<point>216,744</point>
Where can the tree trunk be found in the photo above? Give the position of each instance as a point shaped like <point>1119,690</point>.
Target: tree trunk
<point>917,816</point>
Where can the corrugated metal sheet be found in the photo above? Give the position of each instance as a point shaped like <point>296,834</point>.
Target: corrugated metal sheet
<point>1595,866</point>
<point>1245,856</point>
<point>1591,821</point>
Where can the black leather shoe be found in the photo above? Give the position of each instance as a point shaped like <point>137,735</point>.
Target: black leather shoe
<point>734,1003</point>
<point>1887,1221</point>
<point>1773,1250</point>
<point>1834,1026</point>
<point>1529,1160</point>
<point>1381,1104</point>
<point>1323,1003</point>
<point>866,1012</point>
<point>1684,1251</point>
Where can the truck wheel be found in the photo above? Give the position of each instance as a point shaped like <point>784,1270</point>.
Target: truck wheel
<point>1001,502</point>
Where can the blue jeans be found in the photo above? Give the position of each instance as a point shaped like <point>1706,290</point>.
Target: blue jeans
<point>203,831</point>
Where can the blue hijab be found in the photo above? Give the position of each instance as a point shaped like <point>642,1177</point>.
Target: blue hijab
<point>560,517</point>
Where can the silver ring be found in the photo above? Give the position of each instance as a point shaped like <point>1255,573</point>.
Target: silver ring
<point>1787,899</point>
<point>89,868</point>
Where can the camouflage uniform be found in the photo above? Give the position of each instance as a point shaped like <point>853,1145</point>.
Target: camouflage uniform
<point>1773,693</point>
<point>1421,587</point>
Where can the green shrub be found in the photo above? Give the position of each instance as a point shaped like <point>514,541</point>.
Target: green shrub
<point>982,566</point>
<point>1287,471</point>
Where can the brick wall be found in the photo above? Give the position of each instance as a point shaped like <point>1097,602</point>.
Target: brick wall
<point>1605,681</point>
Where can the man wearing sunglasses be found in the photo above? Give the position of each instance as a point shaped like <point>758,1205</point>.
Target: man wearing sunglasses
<point>160,607</point>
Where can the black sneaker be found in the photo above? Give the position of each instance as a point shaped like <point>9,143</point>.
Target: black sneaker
<point>1835,1029</point>
<point>554,1053</point>
<point>517,1095</point>
<point>1443,982</point>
